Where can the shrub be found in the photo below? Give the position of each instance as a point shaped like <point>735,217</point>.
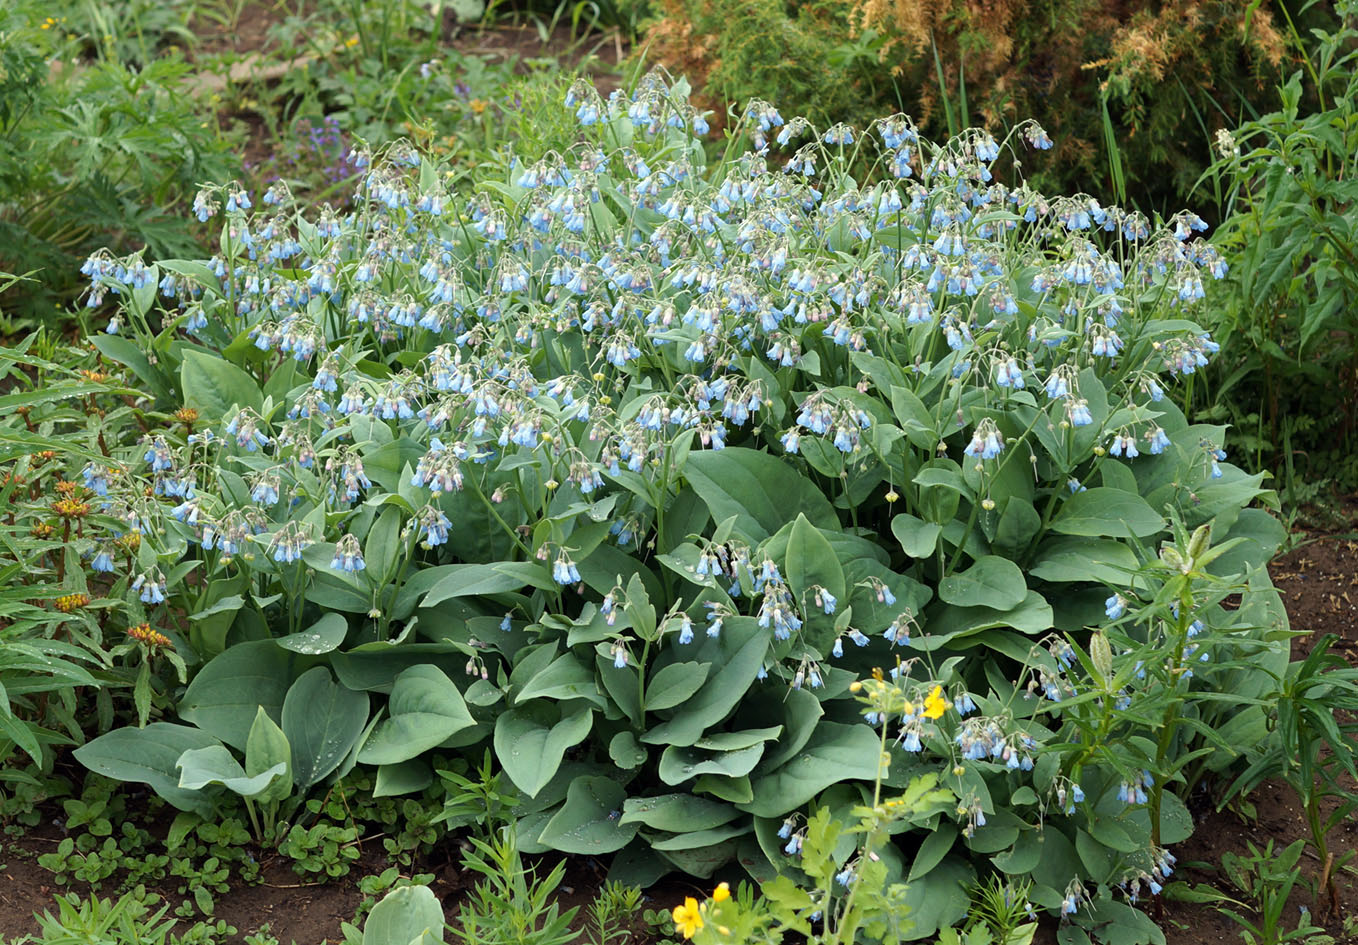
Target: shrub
<point>1104,78</point>
<point>1288,314</point>
<point>92,153</point>
<point>667,462</point>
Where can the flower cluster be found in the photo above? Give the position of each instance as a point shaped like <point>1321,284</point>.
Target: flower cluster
<point>520,385</point>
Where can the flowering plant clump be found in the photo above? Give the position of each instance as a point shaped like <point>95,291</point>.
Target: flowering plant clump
<point>657,457</point>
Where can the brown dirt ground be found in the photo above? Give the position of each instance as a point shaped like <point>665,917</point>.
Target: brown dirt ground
<point>293,908</point>
<point>1318,580</point>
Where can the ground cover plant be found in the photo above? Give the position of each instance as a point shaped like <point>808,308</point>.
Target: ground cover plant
<point>691,490</point>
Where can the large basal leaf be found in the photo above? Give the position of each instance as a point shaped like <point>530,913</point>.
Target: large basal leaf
<point>531,740</point>
<point>812,563</point>
<point>225,695</point>
<point>739,654</point>
<point>425,710</point>
<point>1263,536</point>
<point>990,582</point>
<point>199,767</point>
<point>702,839</point>
<point>267,749</point>
<point>567,677</point>
<point>763,492</point>
<point>590,822</point>
<point>835,752</point>
<point>215,386</point>
<point>1107,512</point>
<point>1073,559</point>
<point>703,861</point>
<point>410,915</point>
<point>945,623</point>
<point>678,765</point>
<point>323,636</point>
<point>323,721</point>
<point>376,670</point>
<point>150,756</point>
<point>938,899</point>
<point>674,684</point>
<point>799,711</point>
<point>677,813</point>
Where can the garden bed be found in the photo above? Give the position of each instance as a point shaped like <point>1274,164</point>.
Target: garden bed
<point>566,482</point>
<point>1313,580</point>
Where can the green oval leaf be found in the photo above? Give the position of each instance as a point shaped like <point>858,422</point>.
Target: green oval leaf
<point>990,582</point>
<point>674,684</point>
<point>410,915</point>
<point>591,819</point>
<point>225,695</point>
<point>323,722</point>
<point>763,492</point>
<point>1107,512</point>
<point>215,764</point>
<point>267,749</point>
<point>531,740</point>
<point>150,756</point>
<point>215,386</point>
<point>677,813</point>
<point>322,636</point>
<point>426,709</point>
<point>836,752</point>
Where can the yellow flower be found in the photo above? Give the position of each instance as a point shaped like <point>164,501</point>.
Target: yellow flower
<point>935,705</point>
<point>687,918</point>
<point>722,893</point>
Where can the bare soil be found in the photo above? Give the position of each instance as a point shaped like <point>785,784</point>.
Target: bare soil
<point>1318,581</point>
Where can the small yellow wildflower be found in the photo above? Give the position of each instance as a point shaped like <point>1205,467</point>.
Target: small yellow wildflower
<point>71,508</point>
<point>478,105</point>
<point>935,705</point>
<point>687,918</point>
<point>722,893</point>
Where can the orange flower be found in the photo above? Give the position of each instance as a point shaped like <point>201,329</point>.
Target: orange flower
<point>143,633</point>
<point>69,603</point>
<point>71,508</point>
